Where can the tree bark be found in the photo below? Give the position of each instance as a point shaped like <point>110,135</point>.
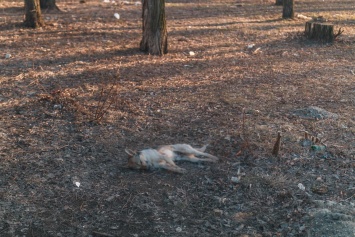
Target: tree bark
<point>288,11</point>
<point>155,35</point>
<point>279,2</point>
<point>48,5</point>
<point>33,15</point>
<point>320,31</point>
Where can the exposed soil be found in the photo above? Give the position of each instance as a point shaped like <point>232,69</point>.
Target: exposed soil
<point>77,92</point>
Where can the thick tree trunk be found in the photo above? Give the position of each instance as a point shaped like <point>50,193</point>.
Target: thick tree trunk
<point>48,5</point>
<point>279,2</point>
<point>288,9</point>
<point>155,35</point>
<point>33,16</point>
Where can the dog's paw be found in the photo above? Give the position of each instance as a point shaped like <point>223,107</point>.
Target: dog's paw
<point>182,171</point>
<point>214,159</point>
<point>209,160</point>
<point>177,169</point>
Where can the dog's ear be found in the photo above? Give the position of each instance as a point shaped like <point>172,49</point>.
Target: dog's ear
<point>130,152</point>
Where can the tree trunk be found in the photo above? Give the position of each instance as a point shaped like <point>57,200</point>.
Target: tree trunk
<point>48,5</point>
<point>279,2</point>
<point>33,16</point>
<point>288,9</point>
<point>155,35</point>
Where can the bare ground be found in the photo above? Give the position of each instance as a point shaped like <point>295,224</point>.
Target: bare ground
<point>77,92</point>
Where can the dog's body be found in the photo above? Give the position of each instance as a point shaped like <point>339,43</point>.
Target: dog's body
<point>164,157</point>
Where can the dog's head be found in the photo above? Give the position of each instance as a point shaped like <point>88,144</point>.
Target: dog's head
<point>134,160</point>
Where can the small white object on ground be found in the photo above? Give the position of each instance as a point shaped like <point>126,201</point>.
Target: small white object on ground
<point>218,212</point>
<point>301,186</point>
<point>7,56</point>
<point>192,53</point>
<point>77,184</point>
<point>235,179</point>
<point>117,16</point>
<point>57,106</point>
<point>303,17</point>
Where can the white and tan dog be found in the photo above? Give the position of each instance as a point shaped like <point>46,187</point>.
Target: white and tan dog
<point>164,157</point>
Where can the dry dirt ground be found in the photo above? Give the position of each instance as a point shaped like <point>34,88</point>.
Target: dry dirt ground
<point>77,92</point>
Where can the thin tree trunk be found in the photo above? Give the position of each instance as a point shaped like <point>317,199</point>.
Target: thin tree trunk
<point>155,35</point>
<point>48,5</point>
<point>288,11</point>
<point>33,16</point>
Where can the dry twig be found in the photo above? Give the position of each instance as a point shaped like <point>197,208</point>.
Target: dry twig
<point>101,234</point>
<point>340,31</point>
<point>277,145</point>
<point>244,136</point>
<point>104,104</point>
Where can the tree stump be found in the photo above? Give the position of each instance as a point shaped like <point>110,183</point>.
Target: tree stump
<point>320,31</point>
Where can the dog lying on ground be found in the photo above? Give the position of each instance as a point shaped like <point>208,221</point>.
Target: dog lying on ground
<point>164,157</point>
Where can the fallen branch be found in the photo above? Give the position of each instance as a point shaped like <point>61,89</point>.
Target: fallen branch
<point>340,31</point>
<point>101,234</point>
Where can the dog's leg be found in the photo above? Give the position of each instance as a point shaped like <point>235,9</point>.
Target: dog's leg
<point>171,167</point>
<point>187,149</point>
<point>192,158</point>
<point>199,153</point>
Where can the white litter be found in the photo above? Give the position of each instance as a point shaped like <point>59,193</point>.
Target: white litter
<point>228,137</point>
<point>191,53</point>
<point>250,46</point>
<point>57,106</point>
<point>301,186</point>
<point>7,56</point>
<point>117,16</point>
<point>235,180</point>
<point>303,17</point>
<point>77,184</point>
